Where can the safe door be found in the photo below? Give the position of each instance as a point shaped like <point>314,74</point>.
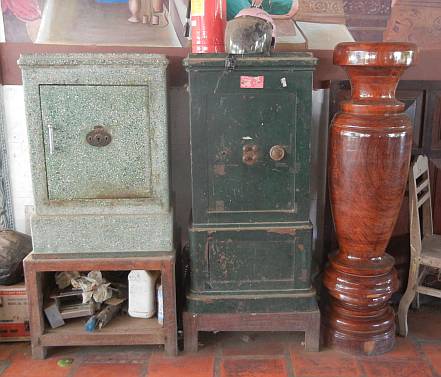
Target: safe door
<point>251,156</point>
<point>250,147</point>
<point>96,141</point>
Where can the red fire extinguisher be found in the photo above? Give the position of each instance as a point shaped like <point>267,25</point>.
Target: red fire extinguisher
<point>208,22</point>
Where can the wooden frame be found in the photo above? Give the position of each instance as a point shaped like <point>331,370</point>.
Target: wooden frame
<point>309,322</point>
<point>121,331</point>
<point>425,247</point>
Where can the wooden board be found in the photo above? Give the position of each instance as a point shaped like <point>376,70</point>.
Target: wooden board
<point>121,330</point>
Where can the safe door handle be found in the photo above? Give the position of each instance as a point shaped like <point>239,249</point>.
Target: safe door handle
<point>50,129</point>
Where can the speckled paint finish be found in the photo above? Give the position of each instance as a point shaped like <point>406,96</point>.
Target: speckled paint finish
<point>92,199</point>
<point>117,170</point>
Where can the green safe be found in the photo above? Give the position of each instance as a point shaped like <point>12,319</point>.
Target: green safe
<point>250,237</point>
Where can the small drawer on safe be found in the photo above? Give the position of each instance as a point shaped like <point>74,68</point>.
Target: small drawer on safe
<point>269,259</point>
<point>96,141</point>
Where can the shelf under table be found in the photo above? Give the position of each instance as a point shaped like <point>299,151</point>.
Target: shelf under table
<point>122,330</point>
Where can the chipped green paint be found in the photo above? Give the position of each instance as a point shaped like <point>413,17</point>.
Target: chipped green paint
<point>257,259</point>
<point>226,118</point>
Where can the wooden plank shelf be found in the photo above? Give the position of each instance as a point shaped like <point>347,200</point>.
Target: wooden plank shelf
<point>122,330</point>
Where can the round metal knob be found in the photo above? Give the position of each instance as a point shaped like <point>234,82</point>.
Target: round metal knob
<point>277,153</point>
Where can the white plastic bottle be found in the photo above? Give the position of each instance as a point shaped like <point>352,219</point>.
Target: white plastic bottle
<point>142,293</point>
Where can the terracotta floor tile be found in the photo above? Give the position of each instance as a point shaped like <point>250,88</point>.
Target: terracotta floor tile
<point>257,349</point>
<point>253,368</point>
<point>404,349</point>
<point>117,357</point>
<point>395,368</point>
<point>8,349</point>
<point>327,363</point>
<point>419,320</point>
<point>107,370</point>
<point>183,365</point>
<point>433,353</point>
<point>23,366</point>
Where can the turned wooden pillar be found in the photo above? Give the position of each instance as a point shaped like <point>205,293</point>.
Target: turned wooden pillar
<point>370,145</point>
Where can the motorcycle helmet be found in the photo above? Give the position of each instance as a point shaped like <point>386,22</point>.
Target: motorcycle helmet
<point>252,31</point>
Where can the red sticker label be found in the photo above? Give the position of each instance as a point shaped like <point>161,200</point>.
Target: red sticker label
<point>252,82</point>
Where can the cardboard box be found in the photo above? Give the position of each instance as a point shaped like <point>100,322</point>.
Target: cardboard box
<point>14,317</point>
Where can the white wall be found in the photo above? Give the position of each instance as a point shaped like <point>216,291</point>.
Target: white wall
<point>2,28</point>
<point>18,154</point>
<point>319,143</point>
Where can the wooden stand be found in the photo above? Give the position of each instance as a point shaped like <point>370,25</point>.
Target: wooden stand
<point>122,330</point>
<point>370,145</point>
<point>309,322</point>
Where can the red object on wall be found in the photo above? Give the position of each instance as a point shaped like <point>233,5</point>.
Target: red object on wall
<point>208,22</point>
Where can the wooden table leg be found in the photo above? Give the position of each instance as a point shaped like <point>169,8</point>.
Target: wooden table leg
<point>35,304</point>
<point>312,333</point>
<point>190,332</point>
<point>169,298</point>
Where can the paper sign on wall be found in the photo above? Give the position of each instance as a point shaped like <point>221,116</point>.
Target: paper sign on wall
<point>252,82</point>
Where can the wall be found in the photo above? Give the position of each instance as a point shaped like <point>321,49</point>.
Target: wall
<point>18,154</point>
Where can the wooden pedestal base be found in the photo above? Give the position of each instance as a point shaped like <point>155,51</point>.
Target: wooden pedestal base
<point>360,332</point>
<point>309,322</point>
<point>357,317</point>
<point>361,344</point>
<point>122,330</point>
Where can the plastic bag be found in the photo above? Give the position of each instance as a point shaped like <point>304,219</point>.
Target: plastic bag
<point>14,247</point>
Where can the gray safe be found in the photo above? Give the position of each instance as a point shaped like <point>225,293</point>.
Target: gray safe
<point>97,127</point>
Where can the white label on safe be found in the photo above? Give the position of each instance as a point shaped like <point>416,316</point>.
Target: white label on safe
<point>283,82</point>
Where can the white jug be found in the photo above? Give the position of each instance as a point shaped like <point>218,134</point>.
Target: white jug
<point>142,293</point>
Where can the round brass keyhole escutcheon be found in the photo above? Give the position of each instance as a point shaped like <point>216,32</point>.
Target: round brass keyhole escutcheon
<point>277,153</point>
<point>99,137</point>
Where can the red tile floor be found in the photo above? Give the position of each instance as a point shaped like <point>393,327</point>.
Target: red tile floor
<point>241,355</point>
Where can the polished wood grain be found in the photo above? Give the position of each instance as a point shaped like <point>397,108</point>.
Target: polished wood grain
<point>370,145</point>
